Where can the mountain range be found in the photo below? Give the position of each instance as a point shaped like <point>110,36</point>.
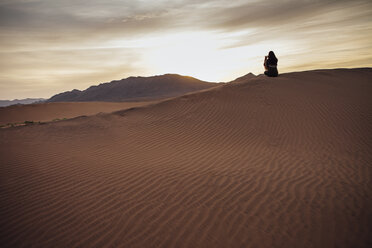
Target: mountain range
<point>135,89</point>
<point>5,103</point>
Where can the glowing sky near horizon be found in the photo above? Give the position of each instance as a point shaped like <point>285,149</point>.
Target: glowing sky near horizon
<point>51,46</point>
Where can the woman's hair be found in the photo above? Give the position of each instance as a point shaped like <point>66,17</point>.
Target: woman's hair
<point>272,55</point>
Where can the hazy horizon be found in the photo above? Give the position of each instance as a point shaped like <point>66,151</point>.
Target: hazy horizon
<point>48,47</point>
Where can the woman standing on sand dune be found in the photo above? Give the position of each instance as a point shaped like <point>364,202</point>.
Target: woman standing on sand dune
<point>270,65</point>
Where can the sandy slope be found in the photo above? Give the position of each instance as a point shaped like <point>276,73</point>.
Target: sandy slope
<point>60,110</point>
<point>269,162</point>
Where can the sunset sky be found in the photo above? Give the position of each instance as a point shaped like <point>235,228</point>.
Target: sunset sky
<point>51,46</point>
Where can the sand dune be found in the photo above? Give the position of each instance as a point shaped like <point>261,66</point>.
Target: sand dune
<point>62,110</point>
<point>266,162</point>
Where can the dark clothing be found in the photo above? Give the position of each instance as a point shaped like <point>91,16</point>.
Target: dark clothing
<point>272,71</point>
<point>271,67</point>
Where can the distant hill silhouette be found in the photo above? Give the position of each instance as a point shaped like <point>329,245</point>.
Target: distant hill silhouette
<point>135,89</point>
<point>4,103</point>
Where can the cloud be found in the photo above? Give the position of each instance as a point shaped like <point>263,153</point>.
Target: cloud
<point>41,35</point>
<point>310,23</point>
<point>83,21</point>
<point>46,73</point>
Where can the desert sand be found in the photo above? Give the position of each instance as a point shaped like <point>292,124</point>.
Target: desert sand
<point>262,162</point>
<point>46,112</point>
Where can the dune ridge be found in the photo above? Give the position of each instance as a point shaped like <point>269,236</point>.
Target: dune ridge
<point>50,111</point>
<point>283,162</point>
